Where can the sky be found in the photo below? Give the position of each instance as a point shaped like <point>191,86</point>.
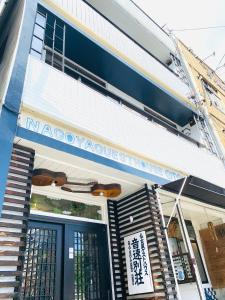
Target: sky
<point>180,14</point>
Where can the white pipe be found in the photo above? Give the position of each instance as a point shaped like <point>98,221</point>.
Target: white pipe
<point>176,201</point>
<point>191,252</point>
<point>167,241</point>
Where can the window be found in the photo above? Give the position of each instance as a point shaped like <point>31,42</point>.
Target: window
<point>49,44</point>
<point>182,263</point>
<point>212,96</point>
<point>65,207</point>
<point>38,35</point>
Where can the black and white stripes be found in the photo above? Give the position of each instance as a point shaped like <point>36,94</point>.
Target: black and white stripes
<point>13,221</point>
<point>137,212</point>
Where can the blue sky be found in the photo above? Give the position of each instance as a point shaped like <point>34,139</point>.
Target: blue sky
<point>179,14</point>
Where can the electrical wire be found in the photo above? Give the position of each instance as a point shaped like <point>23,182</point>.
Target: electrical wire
<point>199,28</point>
<point>220,61</point>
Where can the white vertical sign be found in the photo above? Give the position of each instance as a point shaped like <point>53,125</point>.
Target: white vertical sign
<point>139,274</point>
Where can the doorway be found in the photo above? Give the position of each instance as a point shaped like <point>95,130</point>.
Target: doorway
<point>66,260</point>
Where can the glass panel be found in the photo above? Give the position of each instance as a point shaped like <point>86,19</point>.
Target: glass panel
<point>40,19</point>
<point>58,45</point>
<point>39,31</point>
<point>86,266</point>
<point>48,41</point>
<point>181,258</point>
<point>59,31</point>
<point>37,44</point>
<point>199,262</point>
<point>65,207</point>
<point>39,265</point>
<point>49,31</point>
<point>35,53</point>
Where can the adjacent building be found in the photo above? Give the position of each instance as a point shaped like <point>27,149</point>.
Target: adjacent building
<point>112,180</point>
<point>210,91</point>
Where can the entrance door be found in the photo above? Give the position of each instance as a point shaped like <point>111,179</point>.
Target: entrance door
<point>87,275</point>
<point>66,261</point>
<point>42,264</point>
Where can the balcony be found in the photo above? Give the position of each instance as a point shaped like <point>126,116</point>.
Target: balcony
<point>52,94</point>
<point>139,26</point>
<point>93,42</point>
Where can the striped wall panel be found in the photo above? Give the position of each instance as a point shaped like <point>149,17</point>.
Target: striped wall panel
<point>118,276</point>
<point>13,221</point>
<point>143,207</point>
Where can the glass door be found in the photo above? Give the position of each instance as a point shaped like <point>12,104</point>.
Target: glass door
<point>42,264</point>
<point>87,273</point>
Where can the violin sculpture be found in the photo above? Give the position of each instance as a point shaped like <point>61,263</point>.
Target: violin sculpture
<point>44,177</point>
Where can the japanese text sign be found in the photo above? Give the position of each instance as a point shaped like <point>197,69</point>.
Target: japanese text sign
<point>138,266</point>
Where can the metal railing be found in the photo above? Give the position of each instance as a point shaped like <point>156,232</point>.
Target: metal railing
<point>77,72</point>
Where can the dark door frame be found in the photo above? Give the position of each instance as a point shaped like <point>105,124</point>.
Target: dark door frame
<point>67,226</point>
<point>59,253</point>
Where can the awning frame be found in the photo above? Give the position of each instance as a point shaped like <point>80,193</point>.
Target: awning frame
<point>183,190</point>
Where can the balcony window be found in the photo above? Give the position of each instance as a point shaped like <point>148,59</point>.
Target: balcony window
<point>79,56</point>
<point>181,258</point>
<point>46,204</point>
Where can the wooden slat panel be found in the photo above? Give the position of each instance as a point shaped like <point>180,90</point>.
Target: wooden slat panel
<point>11,244</point>
<point>143,207</point>
<point>15,209</point>
<point>12,225</point>
<point>9,284</point>
<point>13,217</point>
<point>16,201</point>
<point>10,273</point>
<point>11,253</point>
<point>9,296</point>
<point>12,234</point>
<point>10,263</point>
<point>22,160</point>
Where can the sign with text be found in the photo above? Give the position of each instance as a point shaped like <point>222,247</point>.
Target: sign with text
<point>138,266</point>
<point>79,141</point>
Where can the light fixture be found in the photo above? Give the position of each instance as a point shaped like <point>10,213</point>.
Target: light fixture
<point>101,194</point>
<point>53,184</point>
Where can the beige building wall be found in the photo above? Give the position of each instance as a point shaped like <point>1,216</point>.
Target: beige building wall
<point>210,87</point>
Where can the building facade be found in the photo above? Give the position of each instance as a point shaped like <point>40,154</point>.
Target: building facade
<point>107,189</point>
<point>210,90</point>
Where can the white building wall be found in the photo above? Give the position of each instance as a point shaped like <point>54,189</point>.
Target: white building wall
<point>60,97</point>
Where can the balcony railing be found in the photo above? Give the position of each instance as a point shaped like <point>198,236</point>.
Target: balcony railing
<point>116,41</point>
<point>58,61</point>
<point>51,93</point>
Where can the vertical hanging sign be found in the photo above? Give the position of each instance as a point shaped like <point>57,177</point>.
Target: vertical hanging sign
<point>138,266</point>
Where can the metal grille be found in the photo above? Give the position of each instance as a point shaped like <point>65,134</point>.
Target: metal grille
<point>86,266</point>
<point>39,265</point>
